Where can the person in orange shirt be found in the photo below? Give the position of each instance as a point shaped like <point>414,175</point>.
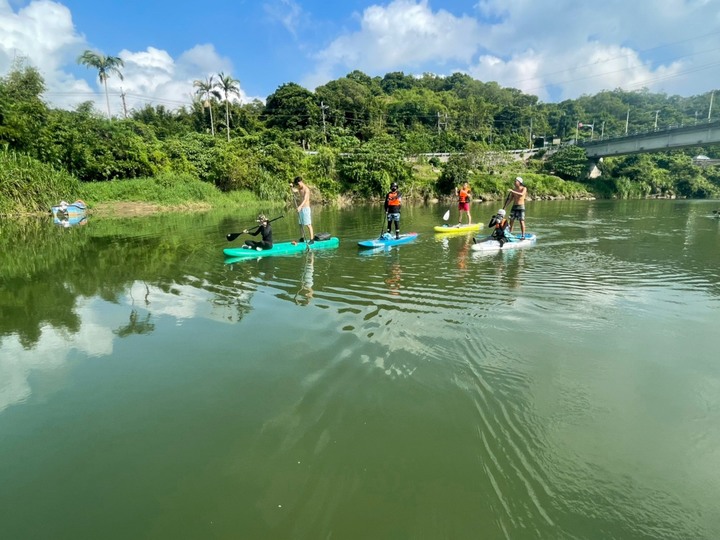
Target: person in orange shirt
<point>464,198</point>
<point>393,203</point>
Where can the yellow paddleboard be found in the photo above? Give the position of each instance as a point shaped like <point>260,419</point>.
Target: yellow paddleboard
<point>457,228</point>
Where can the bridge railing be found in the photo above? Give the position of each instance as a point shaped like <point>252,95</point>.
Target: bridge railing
<point>635,134</point>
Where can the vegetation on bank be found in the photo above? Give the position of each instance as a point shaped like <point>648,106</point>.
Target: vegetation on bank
<point>28,185</point>
<point>350,138</point>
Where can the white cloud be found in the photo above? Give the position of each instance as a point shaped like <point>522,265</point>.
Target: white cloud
<point>288,12</point>
<point>403,34</point>
<point>44,33</point>
<point>580,47</point>
<point>556,51</point>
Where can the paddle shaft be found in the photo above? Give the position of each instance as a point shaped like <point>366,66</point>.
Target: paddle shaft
<point>507,200</point>
<point>232,236</point>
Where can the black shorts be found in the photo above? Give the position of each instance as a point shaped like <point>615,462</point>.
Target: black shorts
<point>517,212</point>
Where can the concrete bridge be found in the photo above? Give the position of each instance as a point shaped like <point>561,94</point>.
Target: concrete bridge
<point>670,138</point>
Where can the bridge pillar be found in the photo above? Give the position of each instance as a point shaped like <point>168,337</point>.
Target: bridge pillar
<point>593,169</point>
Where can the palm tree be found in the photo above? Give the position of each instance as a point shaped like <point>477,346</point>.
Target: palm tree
<point>228,86</point>
<point>208,90</point>
<point>105,66</point>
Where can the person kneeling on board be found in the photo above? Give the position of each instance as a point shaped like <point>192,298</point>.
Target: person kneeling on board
<point>264,229</point>
<point>499,225</point>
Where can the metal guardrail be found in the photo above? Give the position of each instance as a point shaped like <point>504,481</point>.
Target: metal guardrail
<point>665,129</point>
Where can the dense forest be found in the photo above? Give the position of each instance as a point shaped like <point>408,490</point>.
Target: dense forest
<point>350,137</point>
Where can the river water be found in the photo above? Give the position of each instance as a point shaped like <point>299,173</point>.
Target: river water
<point>567,390</point>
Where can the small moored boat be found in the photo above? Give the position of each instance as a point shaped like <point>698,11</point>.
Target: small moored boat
<point>65,209</point>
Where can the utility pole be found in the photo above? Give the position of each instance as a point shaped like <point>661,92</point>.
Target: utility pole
<point>577,127</point>
<point>602,130</point>
<point>627,121</point>
<point>531,137</point>
<point>122,95</point>
<point>441,124</point>
<point>322,109</point>
<point>656,117</point>
<point>696,118</point>
<point>711,100</point>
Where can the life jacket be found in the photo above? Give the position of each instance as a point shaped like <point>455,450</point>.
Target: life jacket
<point>500,226</point>
<point>393,199</point>
<point>464,196</point>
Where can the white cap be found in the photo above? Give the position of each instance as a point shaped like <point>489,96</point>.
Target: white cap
<point>501,212</point>
<point>519,179</point>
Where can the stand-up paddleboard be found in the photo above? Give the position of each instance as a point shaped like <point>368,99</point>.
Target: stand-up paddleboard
<point>491,244</point>
<point>283,248</point>
<point>446,229</point>
<point>387,240</point>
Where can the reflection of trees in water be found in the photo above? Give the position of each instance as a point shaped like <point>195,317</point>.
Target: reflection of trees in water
<point>26,308</point>
<point>136,325</point>
<point>45,269</point>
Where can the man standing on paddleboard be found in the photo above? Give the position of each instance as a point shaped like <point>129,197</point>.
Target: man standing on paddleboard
<point>518,208</point>
<point>393,203</point>
<point>305,219</point>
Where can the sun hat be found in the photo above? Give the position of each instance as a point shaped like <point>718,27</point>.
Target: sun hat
<point>501,212</point>
<point>519,179</point>
<point>261,218</point>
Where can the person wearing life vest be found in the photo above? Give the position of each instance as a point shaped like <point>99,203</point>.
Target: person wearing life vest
<point>464,198</point>
<point>499,225</point>
<point>393,203</point>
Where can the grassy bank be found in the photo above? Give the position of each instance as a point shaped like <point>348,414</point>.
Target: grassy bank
<point>164,192</point>
<point>28,185</point>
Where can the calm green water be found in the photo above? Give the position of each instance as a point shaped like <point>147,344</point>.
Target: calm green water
<point>569,390</point>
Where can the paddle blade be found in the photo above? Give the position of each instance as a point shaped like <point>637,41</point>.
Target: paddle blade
<point>446,215</point>
<point>232,236</point>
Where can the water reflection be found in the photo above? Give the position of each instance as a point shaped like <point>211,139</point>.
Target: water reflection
<point>305,292</point>
<point>530,393</point>
<point>67,221</point>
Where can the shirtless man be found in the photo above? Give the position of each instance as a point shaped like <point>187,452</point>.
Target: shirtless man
<point>518,208</point>
<point>303,208</point>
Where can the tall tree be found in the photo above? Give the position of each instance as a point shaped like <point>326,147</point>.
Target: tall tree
<point>228,86</point>
<point>106,65</point>
<point>207,89</point>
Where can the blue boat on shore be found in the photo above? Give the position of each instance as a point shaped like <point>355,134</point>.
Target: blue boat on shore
<point>66,210</point>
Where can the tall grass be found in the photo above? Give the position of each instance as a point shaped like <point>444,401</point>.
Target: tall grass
<point>166,189</point>
<point>540,186</point>
<point>28,185</point>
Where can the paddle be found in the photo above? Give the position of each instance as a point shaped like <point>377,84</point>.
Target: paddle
<point>232,236</point>
<point>446,215</point>
<point>382,227</point>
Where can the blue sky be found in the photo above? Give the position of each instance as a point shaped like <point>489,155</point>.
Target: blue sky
<point>555,50</point>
